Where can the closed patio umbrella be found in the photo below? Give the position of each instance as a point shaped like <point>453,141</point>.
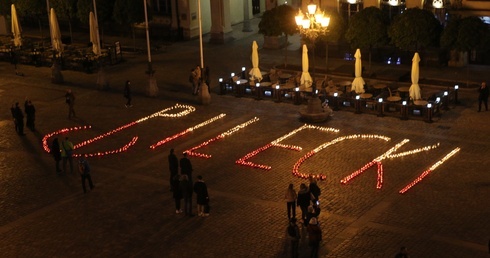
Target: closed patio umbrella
<point>55,33</point>
<point>16,29</point>
<point>358,83</point>
<point>415,88</point>
<point>306,79</point>
<point>93,34</point>
<point>255,71</point>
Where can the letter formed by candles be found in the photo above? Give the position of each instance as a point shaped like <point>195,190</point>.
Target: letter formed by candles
<point>389,154</point>
<point>235,129</point>
<point>276,143</point>
<point>162,113</point>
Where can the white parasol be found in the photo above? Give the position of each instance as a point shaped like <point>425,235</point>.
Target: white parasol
<point>255,71</point>
<point>415,88</point>
<point>306,79</point>
<point>358,83</point>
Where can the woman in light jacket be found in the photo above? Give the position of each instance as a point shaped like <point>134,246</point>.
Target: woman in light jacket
<point>291,197</point>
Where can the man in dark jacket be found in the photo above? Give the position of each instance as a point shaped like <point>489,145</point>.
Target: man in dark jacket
<point>173,165</point>
<point>186,167</point>
<point>19,119</point>
<point>186,190</point>
<point>483,96</point>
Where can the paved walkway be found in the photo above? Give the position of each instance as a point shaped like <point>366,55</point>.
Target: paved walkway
<point>130,212</point>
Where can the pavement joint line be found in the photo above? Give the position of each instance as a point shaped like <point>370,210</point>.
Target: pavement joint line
<point>354,227</point>
<point>435,237</point>
<point>36,214</point>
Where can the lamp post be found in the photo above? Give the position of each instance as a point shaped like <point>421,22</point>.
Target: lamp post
<point>311,25</point>
<point>152,82</point>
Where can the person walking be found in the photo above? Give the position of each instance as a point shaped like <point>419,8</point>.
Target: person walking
<point>84,169</point>
<point>19,119</point>
<point>173,165</point>
<point>66,149</point>
<point>30,111</point>
<point>186,167</point>
<point>483,93</point>
<point>303,201</point>
<point>185,187</point>
<point>294,236</point>
<point>127,93</point>
<point>202,196</point>
<point>314,237</point>
<point>176,193</point>
<point>56,152</point>
<point>70,101</point>
<point>291,197</point>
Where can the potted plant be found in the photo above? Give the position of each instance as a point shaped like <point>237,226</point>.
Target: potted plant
<point>275,24</point>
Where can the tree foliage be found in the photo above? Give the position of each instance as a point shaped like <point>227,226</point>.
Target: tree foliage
<point>336,28</point>
<point>414,29</point>
<point>368,28</point>
<point>465,34</point>
<point>278,21</point>
<point>128,12</point>
<point>5,7</point>
<point>104,10</point>
<point>31,8</point>
<point>65,9</point>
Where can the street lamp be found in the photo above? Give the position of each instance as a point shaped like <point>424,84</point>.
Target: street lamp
<point>312,24</point>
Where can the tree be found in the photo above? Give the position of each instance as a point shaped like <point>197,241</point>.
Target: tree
<point>414,29</point>
<point>336,29</point>
<point>129,12</point>
<point>287,25</point>
<point>368,29</point>
<point>104,12</point>
<point>5,7</point>
<point>66,10</point>
<point>32,8</point>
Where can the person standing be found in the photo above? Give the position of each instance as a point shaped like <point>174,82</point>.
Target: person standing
<point>70,101</point>
<point>186,167</point>
<point>176,193</point>
<point>196,79</point>
<point>30,111</point>
<point>127,93</point>
<point>19,119</point>
<point>56,152</point>
<point>314,190</point>
<point>294,236</point>
<point>403,253</point>
<point>173,165</point>
<point>67,154</point>
<point>291,197</point>
<point>483,96</point>
<point>12,110</point>
<point>314,237</point>
<point>303,201</point>
<point>202,196</point>
<point>84,169</point>
<point>186,190</point>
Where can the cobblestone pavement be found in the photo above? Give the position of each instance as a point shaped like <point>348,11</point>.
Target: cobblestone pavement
<point>130,212</point>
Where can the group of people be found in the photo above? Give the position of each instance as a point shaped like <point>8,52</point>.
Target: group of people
<point>307,198</point>
<point>64,152</point>
<point>182,186</point>
<point>18,116</point>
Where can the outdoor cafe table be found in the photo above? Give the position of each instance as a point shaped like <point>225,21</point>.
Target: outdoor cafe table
<point>283,77</point>
<point>404,92</point>
<point>344,84</point>
<point>420,102</point>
